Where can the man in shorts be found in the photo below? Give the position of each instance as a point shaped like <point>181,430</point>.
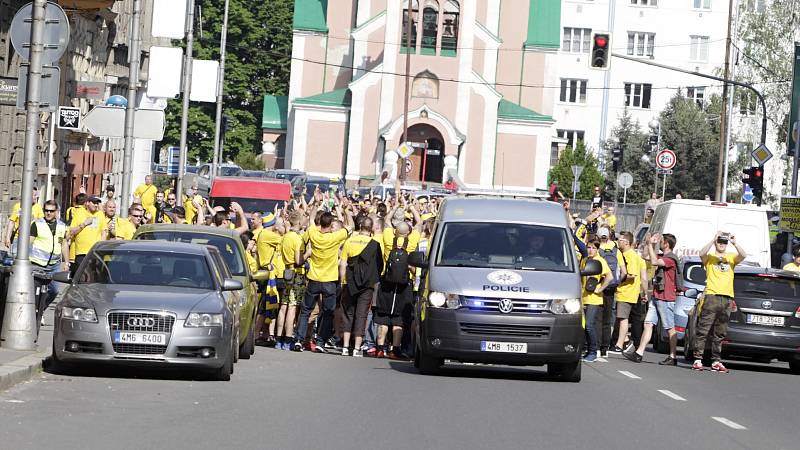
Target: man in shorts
<point>630,288</point>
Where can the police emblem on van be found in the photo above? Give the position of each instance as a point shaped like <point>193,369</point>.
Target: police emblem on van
<point>504,277</point>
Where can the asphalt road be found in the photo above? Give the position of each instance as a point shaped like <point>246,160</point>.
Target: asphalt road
<point>284,400</point>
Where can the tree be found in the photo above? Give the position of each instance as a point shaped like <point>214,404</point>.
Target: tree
<point>635,147</point>
<point>248,160</point>
<point>259,46</point>
<point>561,173</point>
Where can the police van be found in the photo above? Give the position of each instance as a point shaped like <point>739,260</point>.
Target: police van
<point>501,285</point>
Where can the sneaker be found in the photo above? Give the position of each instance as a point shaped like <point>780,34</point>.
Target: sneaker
<point>669,361</point>
<point>278,345</point>
<point>591,357</point>
<point>380,354</point>
<point>698,365</point>
<point>615,350</point>
<point>331,344</point>
<point>603,353</point>
<point>314,348</point>
<point>270,341</point>
<point>632,356</point>
<point>372,352</point>
<point>629,347</point>
<point>718,367</point>
<point>298,347</point>
<point>345,351</point>
<point>394,355</point>
<point>358,354</point>
<point>287,346</point>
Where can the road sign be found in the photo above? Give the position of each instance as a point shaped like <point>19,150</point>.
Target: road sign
<point>433,152</point>
<point>409,165</point>
<point>576,171</point>
<point>748,194</point>
<point>48,88</point>
<point>405,150</point>
<point>666,159</point>
<point>625,180</point>
<point>790,214</point>
<point>69,118</point>
<point>56,32</point>
<point>761,154</point>
<point>109,121</point>
<point>576,186</point>
<point>664,172</point>
<point>173,160</point>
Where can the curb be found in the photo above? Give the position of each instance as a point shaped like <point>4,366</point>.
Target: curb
<point>21,370</point>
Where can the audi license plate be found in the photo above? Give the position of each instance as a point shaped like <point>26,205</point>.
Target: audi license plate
<point>772,321</point>
<point>504,347</point>
<point>127,337</point>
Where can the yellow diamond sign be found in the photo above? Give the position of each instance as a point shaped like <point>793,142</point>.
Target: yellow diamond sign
<point>761,154</point>
<point>405,150</point>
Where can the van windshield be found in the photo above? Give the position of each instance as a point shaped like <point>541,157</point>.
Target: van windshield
<point>505,245</point>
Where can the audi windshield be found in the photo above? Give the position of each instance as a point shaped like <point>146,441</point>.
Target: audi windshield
<point>505,246</point>
<point>146,268</point>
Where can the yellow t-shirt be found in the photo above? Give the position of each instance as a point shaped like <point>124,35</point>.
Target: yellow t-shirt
<point>325,254</point>
<point>191,211</point>
<point>291,244</point>
<point>124,229</point>
<point>89,235</point>
<point>147,194</point>
<point>388,241</point>
<point>610,220</point>
<point>628,292</point>
<point>719,274</point>
<point>36,213</point>
<point>792,267</point>
<point>590,298</point>
<point>353,247</point>
<point>251,262</point>
<point>267,243</point>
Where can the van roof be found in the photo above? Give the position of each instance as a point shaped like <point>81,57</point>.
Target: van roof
<point>485,209</point>
<point>738,206</point>
<point>257,188</point>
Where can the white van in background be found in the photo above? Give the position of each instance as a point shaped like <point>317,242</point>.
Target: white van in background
<point>694,223</point>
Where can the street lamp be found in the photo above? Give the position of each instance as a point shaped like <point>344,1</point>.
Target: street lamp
<point>655,126</point>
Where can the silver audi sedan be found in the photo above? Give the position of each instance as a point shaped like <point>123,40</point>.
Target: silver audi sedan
<point>149,303</point>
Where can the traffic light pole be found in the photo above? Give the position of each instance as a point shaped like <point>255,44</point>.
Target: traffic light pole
<point>220,88</point>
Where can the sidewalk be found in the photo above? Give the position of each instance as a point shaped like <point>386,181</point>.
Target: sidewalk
<point>18,366</point>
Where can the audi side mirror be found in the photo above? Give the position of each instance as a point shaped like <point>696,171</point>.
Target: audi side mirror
<point>232,285</point>
<point>592,268</point>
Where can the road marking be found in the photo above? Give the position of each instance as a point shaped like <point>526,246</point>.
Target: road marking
<point>729,423</point>
<point>672,395</point>
<point>629,375</point>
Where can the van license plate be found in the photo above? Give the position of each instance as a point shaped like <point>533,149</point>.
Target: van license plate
<point>772,321</point>
<point>504,347</point>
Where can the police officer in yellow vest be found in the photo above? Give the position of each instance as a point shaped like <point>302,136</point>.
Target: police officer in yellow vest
<point>49,249</point>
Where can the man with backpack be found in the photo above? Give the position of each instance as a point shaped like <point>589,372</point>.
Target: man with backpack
<point>360,266</point>
<point>666,284</point>
<point>395,293</point>
<point>613,256</point>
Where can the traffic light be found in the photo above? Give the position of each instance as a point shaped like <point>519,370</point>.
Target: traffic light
<point>757,184</point>
<point>601,51</point>
<point>653,140</point>
<point>616,157</point>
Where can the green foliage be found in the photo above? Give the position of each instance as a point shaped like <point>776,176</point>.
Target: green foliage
<point>257,63</point>
<point>634,143</point>
<point>561,173</point>
<point>248,160</point>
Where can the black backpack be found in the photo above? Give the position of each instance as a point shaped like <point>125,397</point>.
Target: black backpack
<point>397,264</point>
<point>363,269</point>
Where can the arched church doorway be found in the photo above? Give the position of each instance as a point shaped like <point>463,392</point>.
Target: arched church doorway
<point>427,162</point>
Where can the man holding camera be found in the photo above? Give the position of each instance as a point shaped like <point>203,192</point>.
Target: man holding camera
<point>715,311</point>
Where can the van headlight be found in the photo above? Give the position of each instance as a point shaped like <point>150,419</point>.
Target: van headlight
<point>565,306</point>
<point>442,300</point>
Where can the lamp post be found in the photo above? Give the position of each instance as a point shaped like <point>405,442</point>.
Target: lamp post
<point>655,125</point>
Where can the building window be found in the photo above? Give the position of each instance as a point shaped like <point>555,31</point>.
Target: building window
<point>641,44</point>
<point>425,85</point>
<point>576,40</point>
<point>756,5</point>
<point>404,45</point>
<point>573,91</point>
<point>697,94</point>
<point>644,2</point>
<point>572,137</point>
<point>450,28</point>
<point>747,102</point>
<point>637,95</point>
<point>698,50</point>
<point>430,27</point>
<point>702,4</point>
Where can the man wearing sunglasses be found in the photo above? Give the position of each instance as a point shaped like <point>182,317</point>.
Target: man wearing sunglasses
<point>49,249</point>
<point>126,228</point>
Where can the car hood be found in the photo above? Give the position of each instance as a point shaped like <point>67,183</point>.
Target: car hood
<point>515,284</point>
<point>106,297</point>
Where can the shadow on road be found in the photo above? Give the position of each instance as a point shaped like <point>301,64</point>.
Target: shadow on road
<point>489,372</point>
<point>125,372</point>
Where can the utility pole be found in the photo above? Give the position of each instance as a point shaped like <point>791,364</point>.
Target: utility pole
<point>130,111</point>
<point>402,161</point>
<point>187,80</point>
<point>216,158</point>
<point>19,320</point>
<point>723,141</point>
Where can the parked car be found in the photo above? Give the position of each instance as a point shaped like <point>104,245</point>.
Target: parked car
<point>765,318</point>
<point>285,174</point>
<point>146,303</point>
<point>253,174</point>
<point>203,176</point>
<point>231,249</point>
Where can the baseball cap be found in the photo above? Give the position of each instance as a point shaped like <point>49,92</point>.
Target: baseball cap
<point>602,232</point>
<point>95,199</point>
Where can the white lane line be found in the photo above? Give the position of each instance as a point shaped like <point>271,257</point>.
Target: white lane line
<point>729,423</point>
<point>672,395</point>
<point>629,375</point>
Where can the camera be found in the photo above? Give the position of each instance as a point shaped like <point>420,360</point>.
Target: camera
<point>724,238</point>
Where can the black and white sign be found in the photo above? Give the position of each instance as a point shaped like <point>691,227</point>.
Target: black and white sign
<point>69,118</point>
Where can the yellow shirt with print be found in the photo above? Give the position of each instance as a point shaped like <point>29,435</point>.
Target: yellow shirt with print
<point>792,267</point>
<point>388,241</point>
<point>719,274</point>
<point>89,235</point>
<point>290,245</point>
<point>324,253</point>
<point>628,292</point>
<point>353,246</point>
<point>590,298</point>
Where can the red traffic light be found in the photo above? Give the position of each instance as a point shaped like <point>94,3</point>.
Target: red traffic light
<point>758,173</point>
<point>601,41</point>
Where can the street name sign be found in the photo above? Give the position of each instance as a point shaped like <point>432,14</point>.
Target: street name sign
<point>109,121</point>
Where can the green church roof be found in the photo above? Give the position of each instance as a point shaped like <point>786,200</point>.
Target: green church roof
<point>276,108</point>
<point>544,24</point>
<point>339,97</point>
<point>509,110</point>
<point>310,15</point>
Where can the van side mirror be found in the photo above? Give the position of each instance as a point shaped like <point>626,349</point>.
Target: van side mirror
<point>593,267</point>
<point>417,259</point>
<point>691,293</point>
<point>62,277</point>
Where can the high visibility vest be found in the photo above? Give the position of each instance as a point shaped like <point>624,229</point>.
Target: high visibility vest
<point>46,247</point>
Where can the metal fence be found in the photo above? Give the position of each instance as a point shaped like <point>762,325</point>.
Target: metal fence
<point>629,216</point>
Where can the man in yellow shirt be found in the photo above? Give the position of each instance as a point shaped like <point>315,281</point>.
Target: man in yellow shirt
<point>592,297</point>
<point>193,203</point>
<point>610,252</point>
<point>13,221</point>
<point>609,218</point>
<point>146,195</point>
<point>630,288</point>
<point>715,313</point>
<point>294,287</point>
<point>794,266</point>
<point>85,229</point>
<point>124,229</point>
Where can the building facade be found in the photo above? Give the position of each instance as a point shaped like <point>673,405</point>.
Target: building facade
<point>478,107</point>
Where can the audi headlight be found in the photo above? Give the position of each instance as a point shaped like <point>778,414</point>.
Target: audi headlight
<point>565,306</point>
<point>79,314</point>
<point>442,300</point>
<point>203,320</point>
